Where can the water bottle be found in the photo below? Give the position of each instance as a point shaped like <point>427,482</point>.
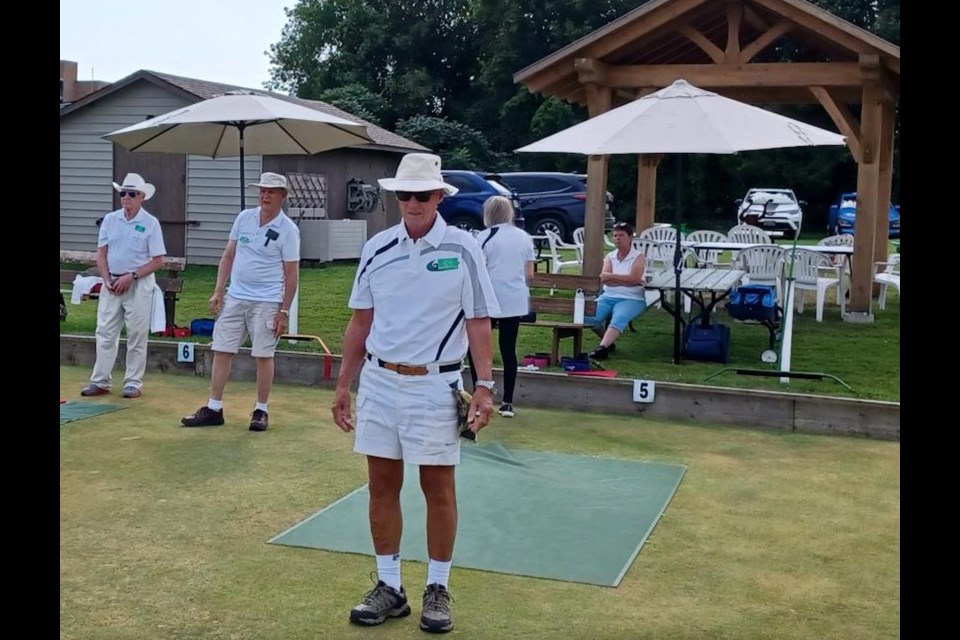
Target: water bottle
<point>578,307</point>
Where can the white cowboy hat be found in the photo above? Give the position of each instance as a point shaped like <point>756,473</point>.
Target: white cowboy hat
<point>271,181</point>
<point>418,172</point>
<point>134,182</point>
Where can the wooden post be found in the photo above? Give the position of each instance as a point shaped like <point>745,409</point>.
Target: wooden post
<point>598,99</point>
<point>646,190</point>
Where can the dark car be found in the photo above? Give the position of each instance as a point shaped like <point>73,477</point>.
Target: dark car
<point>554,200</point>
<point>465,209</point>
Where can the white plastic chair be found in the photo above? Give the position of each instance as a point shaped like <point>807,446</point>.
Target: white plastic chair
<point>707,257</point>
<point>763,265</point>
<point>749,234</point>
<point>816,272</point>
<point>557,261</point>
<point>887,274</point>
<point>659,234</point>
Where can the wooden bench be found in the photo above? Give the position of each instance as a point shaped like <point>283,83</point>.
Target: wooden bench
<point>170,283</point>
<point>543,300</point>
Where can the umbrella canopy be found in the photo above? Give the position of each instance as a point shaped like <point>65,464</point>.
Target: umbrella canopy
<point>682,118</point>
<point>237,123</point>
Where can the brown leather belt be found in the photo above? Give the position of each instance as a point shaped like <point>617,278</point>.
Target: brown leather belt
<point>413,370</point>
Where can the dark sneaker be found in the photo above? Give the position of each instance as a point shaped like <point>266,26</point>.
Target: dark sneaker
<point>204,417</point>
<point>380,603</point>
<point>600,353</point>
<point>258,420</point>
<point>506,410</point>
<point>93,390</point>
<point>436,616</point>
<point>130,392</point>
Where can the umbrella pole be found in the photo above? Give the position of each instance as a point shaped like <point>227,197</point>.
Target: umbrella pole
<point>243,177</point>
<point>677,267</point>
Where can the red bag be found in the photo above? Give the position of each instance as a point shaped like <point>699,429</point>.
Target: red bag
<point>177,332</point>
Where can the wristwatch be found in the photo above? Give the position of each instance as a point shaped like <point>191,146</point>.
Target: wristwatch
<point>136,276</point>
<point>489,385</point>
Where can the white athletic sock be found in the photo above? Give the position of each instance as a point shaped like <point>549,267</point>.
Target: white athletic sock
<point>439,572</point>
<point>216,405</point>
<point>262,406</point>
<point>388,570</point>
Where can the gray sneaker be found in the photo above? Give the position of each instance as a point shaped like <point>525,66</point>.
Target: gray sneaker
<point>436,616</point>
<point>380,603</point>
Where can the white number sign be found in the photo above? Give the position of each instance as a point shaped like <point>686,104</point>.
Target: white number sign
<point>644,391</point>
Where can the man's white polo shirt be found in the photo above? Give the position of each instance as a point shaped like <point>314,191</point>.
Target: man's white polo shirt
<point>422,292</point>
<point>130,243</point>
<point>257,272</point>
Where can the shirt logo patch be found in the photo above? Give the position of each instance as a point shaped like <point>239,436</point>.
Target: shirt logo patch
<point>140,228</point>
<point>444,264</point>
<point>243,240</point>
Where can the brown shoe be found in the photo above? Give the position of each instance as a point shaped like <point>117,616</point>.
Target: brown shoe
<point>203,417</point>
<point>258,420</point>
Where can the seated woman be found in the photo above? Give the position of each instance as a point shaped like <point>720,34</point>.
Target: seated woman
<point>623,297</point>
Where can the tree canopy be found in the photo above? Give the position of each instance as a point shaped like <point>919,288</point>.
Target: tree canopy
<point>440,72</point>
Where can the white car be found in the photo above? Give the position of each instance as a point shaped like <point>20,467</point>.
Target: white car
<point>772,210</point>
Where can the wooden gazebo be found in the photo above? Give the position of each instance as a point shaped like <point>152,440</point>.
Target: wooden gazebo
<point>721,45</point>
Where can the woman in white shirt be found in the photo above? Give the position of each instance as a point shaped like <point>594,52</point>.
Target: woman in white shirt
<point>623,298</point>
<point>510,260</point>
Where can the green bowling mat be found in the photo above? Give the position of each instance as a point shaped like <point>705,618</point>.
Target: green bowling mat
<point>78,410</point>
<point>532,513</point>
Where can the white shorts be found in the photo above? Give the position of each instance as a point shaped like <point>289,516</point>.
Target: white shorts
<point>242,318</point>
<point>409,418</point>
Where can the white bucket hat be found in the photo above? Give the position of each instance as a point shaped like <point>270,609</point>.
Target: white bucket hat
<point>271,181</point>
<point>134,182</point>
<point>418,172</point>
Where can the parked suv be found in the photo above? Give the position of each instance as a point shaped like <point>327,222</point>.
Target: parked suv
<point>554,200</point>
<point>772,210</point>
<point>465,209</point>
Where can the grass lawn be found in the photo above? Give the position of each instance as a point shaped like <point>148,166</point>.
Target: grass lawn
<point>865,356</point>
<point>163,530</point>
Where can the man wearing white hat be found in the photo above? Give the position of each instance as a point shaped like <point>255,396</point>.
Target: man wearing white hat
<point>262,264</point>
<point>129,249</point>
<point>422,296</point>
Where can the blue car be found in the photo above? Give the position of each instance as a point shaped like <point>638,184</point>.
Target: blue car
<point>843,216</point>
<point>465,209</point>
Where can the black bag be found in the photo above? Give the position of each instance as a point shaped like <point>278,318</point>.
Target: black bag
<point>709,343</point>
<point>753,302</point>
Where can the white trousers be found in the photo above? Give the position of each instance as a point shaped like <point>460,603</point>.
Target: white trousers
<point>113,312</point>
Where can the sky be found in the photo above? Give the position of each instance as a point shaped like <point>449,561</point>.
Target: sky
<point>216,40</point>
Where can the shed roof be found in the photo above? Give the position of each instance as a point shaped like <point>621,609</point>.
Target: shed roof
<point>196,90</point>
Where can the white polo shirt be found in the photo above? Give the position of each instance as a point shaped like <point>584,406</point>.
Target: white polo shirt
<point>130,243</point>
<point>257,272</point>
<point>507,250</point>
<point>422,292</point>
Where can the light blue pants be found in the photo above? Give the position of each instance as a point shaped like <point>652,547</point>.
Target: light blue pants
<point>619,311</point>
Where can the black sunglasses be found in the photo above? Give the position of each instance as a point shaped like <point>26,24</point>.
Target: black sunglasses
<point>421,196</point>
<point>132,194</point>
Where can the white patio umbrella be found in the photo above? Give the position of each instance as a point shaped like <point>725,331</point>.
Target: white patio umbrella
<point>682,118</point>
<point>241,122</point>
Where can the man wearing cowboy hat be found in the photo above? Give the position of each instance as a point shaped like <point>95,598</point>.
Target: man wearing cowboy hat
<point>422,296</point>
<point>262,263</point>
<point>129,249</point>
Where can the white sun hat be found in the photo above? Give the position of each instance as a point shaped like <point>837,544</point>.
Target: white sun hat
<point>418,172</point>
<point>134,182</point>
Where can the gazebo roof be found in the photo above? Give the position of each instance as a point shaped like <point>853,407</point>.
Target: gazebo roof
<point>663,40</point>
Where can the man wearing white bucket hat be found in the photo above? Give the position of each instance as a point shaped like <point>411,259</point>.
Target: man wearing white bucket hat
<point>262,263</point>
<point>422,296</point>
<point>129,249</point>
